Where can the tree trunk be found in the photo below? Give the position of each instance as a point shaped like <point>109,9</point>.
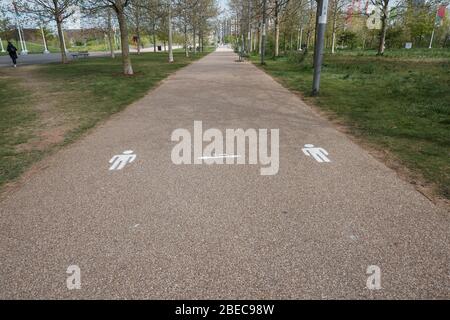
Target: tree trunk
<point>381,44</point>
<point>277,31</point>
<point>61,40</point>
<point>111,45</point>
<point>300,38</point>
<point>308,38</point>
<point>126,61</point>
<point>138,42</point>
<point>186,50</point>
<point>138,31</point>
<point>249,34</point>
<point>290,42</point>
<point>264,36</point>
<point>333,37</point>
<point>193,38</point>
<point>138,35</point>
<point>310,27</point>
<point>384,13</point>
<point>444,43</point>
<point>260,38</point>
<point>154,37</point>
<point>110,35</point>
<point>170,33</point>
<point>253,41</point>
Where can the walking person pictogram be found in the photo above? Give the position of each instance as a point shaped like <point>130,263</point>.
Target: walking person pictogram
<point>121,160</point>
<point>319,154</point>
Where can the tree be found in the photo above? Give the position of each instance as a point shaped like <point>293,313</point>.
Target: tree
<point>384,14</point>
<point>109,27</point>
<point>185,7</point>
<point>277,29</point>
<point>119,7</point>
<point>102,20</point>
<point>278,7</point>
<point>208,10</point>
<point>310,23</point>
<point>5,28</point>
<point>348,38</point>
<point>419,19</point>
<point>57,10</point>
<point>169,21</point>
<point>136,11</point>
<point>199,14</point>
<point>152,18</point>
<point>336,6</point>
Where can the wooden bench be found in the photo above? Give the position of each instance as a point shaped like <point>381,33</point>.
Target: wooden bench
<point>80,54</point>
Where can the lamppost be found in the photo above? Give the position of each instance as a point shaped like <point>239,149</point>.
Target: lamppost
<point>64,41</point>
<point>322,7</point>
<point>23,44</point>
<point>44,40</point>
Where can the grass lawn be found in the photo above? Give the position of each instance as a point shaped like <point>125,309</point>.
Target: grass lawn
<point>397,104</point>
<point>92,46</point>
<point>47,106</point>
<point>16,126</point>
<point>31,46</point>
<point>419,53</point>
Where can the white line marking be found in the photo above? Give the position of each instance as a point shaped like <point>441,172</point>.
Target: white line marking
<point>220,156</point>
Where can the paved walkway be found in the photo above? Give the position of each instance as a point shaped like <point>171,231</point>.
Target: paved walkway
<point>160,230</point>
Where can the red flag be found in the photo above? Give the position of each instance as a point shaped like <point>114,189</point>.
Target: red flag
<point>441,11</point>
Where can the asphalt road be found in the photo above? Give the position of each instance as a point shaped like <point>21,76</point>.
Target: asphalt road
<point>32,59</point>
<point>159,230</point>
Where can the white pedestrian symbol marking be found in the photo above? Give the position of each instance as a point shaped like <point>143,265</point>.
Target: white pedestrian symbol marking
<point>319,154</point>
<point>119,161</point>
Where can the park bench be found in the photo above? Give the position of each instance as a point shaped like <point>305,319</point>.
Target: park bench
<point>80,54</point>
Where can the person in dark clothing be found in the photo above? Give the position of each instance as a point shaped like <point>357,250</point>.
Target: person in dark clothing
<point>12,53</point>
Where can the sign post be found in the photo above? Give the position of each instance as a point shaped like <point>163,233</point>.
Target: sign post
<point>322,8</point>
<point>263,36</point>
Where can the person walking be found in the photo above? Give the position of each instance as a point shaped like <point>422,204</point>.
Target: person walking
<point>12,53</point>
